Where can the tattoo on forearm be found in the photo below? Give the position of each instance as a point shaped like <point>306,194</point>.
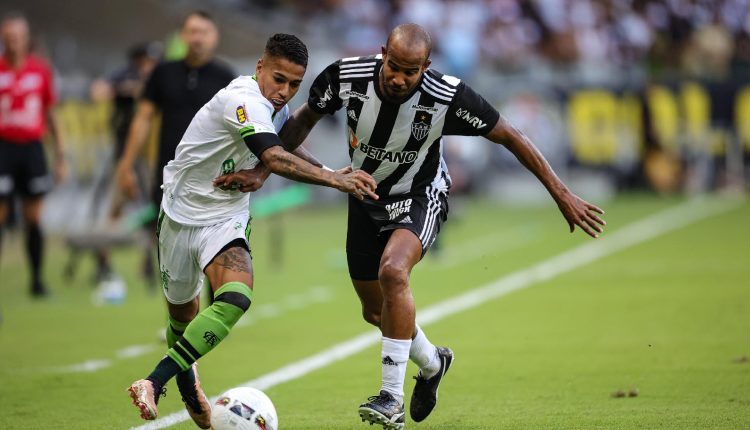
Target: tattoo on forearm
<point>293,169</point>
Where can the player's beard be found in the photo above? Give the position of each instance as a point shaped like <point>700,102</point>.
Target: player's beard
<point>387,94</point>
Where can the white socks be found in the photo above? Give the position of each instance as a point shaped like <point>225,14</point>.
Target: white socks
<point>396,352</point>
<point>395,355</point>
<point>424,354</point>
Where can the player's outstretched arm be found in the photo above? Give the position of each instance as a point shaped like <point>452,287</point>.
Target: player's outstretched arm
<point>296,129</point>
<point>268,147</point>
<point>577,212</point>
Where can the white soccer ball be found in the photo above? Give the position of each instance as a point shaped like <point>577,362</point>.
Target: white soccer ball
<point>244,408</point>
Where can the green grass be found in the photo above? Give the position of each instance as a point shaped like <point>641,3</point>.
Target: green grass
<point>668,316</point>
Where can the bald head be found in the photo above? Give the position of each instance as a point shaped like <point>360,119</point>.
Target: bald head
<point>411,37</point>
<point>406,56</point>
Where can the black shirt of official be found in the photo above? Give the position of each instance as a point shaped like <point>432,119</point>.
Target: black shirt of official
<point>124,105</point>
<point>179,91</point>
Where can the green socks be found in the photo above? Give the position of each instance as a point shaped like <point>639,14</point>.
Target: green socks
<point>204,333</point>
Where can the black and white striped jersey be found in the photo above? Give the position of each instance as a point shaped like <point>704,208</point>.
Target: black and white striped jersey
<point>400,145</point>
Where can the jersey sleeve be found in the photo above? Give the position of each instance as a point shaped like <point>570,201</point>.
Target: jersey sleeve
<point>469,114</point>
<point>251,120</point>
<point>324,93</point>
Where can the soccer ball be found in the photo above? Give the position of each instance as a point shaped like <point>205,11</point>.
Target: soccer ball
<point>244,408</point>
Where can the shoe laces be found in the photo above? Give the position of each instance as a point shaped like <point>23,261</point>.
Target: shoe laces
<point>380,399</point>
<point>160,393</point>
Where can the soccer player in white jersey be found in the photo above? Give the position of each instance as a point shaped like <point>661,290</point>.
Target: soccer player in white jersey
<point>397,110</point>
<point>203,224</point>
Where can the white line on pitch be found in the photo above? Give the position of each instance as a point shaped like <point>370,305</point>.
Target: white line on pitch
<point>637,232</point>
<point>289,303</point>
<point>493,244</point>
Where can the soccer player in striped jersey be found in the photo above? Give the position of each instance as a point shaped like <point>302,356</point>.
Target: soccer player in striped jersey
<point>397,111</point>
<point>204,222</point>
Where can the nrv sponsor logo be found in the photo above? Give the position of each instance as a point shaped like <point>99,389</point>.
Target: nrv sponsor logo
<point>326,97</point>
<point>400,157</point>
<point>473,120</point>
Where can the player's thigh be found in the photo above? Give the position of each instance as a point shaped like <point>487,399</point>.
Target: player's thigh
<point>364,243</point>
<point>422,215</point>
<point>401,254</point>
<point>225,252</point>
<point>181,275</point>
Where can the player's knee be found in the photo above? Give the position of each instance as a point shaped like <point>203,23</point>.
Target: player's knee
<point>237,294</point>
<point>393,276</point>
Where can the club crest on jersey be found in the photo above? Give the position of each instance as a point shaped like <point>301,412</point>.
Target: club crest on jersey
<point>420,130</point>
<point>241,116</point>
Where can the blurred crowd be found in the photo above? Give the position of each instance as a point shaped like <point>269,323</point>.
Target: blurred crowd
<point>701,38</point>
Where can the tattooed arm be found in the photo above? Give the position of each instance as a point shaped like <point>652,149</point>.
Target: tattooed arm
<point>281,162</point>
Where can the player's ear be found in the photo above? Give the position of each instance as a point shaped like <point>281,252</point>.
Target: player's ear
<point>383,50</point>
<point>427,63</point>
<point>258,65</point>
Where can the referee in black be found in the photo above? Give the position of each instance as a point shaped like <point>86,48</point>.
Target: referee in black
<point>177,89</point>
<point>397,110</point>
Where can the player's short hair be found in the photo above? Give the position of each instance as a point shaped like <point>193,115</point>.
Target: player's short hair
<point>287,46</point>
<point>199,13</point>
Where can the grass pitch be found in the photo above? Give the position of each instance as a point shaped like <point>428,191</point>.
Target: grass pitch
<point>667,318</point>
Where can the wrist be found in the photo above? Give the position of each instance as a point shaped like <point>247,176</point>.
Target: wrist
<point>335,180</point>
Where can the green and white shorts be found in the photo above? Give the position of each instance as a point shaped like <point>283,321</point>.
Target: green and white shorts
<point>185,251</point>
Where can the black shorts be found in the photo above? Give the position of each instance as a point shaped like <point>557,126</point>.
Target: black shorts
<point>371,223</point>
<point>23,169</point>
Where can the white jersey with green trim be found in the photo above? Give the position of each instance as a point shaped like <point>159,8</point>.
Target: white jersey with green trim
<point>213,145</point>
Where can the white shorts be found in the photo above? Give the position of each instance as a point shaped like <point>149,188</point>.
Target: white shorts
<point>184,251</point>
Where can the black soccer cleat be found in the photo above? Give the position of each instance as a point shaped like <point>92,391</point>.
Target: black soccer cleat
<point>383,409</point>
<point>425,394</point>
